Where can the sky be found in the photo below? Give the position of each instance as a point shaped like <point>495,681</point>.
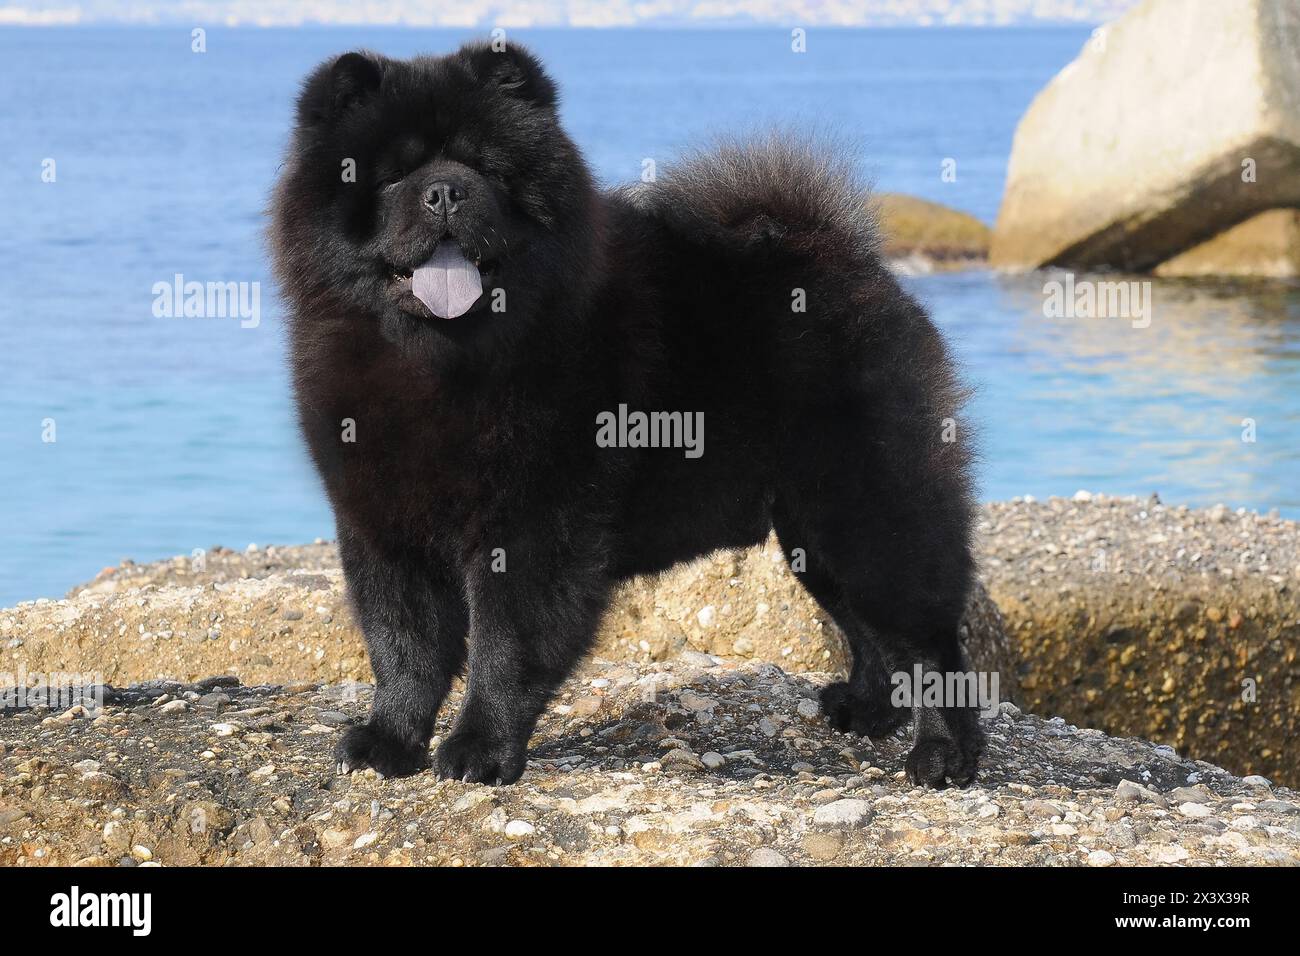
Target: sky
<point>586,13</point>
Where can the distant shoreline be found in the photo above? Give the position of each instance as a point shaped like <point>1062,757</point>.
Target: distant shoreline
<point>53,22</point>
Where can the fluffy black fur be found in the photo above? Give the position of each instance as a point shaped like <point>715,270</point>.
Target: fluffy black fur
<point>478,433</point>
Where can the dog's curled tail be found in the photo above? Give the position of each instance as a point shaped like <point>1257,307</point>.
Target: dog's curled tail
<point>794,193</point>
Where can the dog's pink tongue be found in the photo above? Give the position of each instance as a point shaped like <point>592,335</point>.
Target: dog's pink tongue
<point>448,284</point>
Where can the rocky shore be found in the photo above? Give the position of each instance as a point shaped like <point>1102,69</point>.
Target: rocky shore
<point>694,735</point>
<point>923,236</point>
<point>698,761</point>
<point>281,613</point>
<point>1117,613</point>
<point>1175,624</point>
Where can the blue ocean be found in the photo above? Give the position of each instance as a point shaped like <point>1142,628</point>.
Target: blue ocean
<point>127,159</point>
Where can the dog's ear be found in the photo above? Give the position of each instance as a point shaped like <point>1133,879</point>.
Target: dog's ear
<point>511,70</point>
<point>338,84</point>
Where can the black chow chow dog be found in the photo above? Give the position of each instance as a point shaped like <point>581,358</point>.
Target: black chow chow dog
<point>469,314</point>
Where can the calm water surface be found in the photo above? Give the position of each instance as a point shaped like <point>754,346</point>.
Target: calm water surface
<point>174,434</point>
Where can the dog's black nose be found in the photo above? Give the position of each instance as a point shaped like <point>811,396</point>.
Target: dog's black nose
<point>443,196</point>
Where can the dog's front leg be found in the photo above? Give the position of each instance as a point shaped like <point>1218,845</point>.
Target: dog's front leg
<point>530,623</point>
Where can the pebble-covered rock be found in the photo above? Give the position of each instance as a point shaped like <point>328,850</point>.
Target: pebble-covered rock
<point>842,813</point>
<point>279,614</point>
<point>1176,624</point>
<point>141,785</point>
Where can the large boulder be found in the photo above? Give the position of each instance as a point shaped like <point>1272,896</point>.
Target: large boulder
<point>1264,246</point>
<point>924,236</point>
<point>281,614</point>
<point>1175,123</point>
<point>749,604</point>
<point>1174,624</point>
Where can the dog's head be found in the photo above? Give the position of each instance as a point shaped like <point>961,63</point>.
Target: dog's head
<point>438,190</point>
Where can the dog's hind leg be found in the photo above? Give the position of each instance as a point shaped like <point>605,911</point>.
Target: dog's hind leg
<point>860,704</point>
<point>886,543</point>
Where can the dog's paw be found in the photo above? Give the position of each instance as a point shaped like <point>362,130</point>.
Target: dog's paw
<point>846,711</point>
<point>476,758</point>
<point>937,760</point>
<point>368,746</point>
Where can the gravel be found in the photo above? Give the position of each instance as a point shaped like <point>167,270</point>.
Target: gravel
<point>258,787</point>
<point>1176,624</point>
